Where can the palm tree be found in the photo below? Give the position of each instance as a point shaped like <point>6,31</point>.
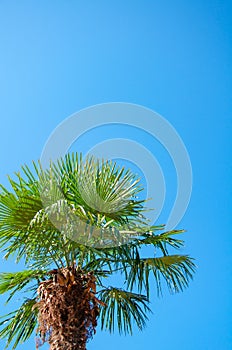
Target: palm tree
<point>74,225</point>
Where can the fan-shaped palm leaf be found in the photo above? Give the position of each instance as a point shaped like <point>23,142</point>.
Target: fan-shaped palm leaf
<point>122,309</point>
<point>20,324</point>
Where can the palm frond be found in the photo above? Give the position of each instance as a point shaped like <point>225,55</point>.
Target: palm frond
<point>99,187</point>
<point>162,240</point>
<point>123,308</point>
<point>19,324</point>
<point>176,271</point>
<point>16,281</point>
<point>95,194</point>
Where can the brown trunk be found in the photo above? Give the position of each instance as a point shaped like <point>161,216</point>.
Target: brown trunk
<point>68,309</point>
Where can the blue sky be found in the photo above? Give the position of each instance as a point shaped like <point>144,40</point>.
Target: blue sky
<point>58,57</point>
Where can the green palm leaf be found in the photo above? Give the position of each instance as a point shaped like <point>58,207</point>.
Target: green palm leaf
<point>123,308</point>
<point>16,281</point>
<point>20,324</point>
<point>176,270</point>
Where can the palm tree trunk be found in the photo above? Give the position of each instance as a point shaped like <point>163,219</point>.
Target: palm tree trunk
<point>65,339</point>
<point>68,309</point>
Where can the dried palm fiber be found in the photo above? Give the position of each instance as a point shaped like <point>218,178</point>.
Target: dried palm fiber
<point>68,309</point>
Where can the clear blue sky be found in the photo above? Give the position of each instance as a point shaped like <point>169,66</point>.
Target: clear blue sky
<point>174,57</point>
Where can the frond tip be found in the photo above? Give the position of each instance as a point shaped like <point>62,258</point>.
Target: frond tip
<point>175,270</point>
<point>20,324</point>
<point>16,281</point>
<point>123,308</point>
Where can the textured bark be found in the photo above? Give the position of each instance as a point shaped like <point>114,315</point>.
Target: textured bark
<point>68,309</point>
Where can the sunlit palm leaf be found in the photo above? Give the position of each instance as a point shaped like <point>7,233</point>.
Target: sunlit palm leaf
<point>163,240</point>
<point>176,271</point>
<point>123,309</point>
<point>20,324</point>
<point>16,281</point>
